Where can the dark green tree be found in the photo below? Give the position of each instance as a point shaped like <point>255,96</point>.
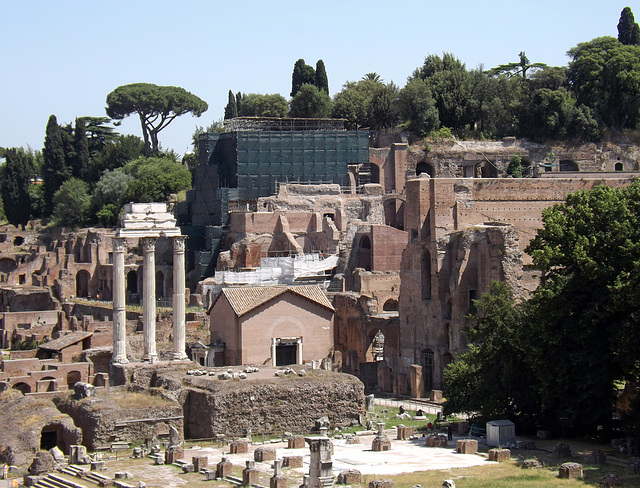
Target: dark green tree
<point>519,68</point>
<point>628,29</point>
<point>155,179</point>
<point>604,75</point>
<point>366,103</point>
<point>16,173</point>
<point>157,106</point>
<point>231,110</point>
<point>450,85</point>
<point>108,196</point>
<point>492,377</point>
<point>310,102</point>
<point>56,169</point>
<point>115,155</point>
<point>302,74</point>
<point>257,105</point>
<point>417,108</point>
<point>584,327</point>
<point>321,79</point>
<point>71,203</point>
<point>80,162</point>
<point>98,132</point>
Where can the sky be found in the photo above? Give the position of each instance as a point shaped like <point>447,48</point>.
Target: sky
<point>64,57</point>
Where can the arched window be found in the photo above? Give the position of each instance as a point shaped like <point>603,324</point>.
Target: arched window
<point>390,305</point>
<point>424,167</point>
<point>619,167</point>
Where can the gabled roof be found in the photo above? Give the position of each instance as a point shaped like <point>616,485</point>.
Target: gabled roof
<point>243,299</point>
<point>65,341</point>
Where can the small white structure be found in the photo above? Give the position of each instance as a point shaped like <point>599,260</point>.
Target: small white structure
<point>500,432</point>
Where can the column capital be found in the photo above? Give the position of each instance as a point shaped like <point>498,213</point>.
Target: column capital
<point>179,243</point>
<point>148,243</point>
<point>119,244</point>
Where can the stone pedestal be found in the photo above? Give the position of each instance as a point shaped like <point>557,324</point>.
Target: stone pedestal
<point>250,475</point>
<point>239,446</point>
<point>570,471</point>
<point>199,462</point>
<point>295,442</point>
<point>416,381</point>
<point>320,463</point>
<point>224,468</point>
<point>499,455</point>
<point>404,432</point>
<point>292,461</point>
<point>381,442</point>
<point>436,440</point>
<point>262,454</point>
<point>277,480</point>
<point>467,446</point>
<point>350,477</point>
<point>172,454</point>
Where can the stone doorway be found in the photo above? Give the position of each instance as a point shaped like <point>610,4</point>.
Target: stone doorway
<point>82,283</point>
<point>427,369</point>
<point>286,352</point>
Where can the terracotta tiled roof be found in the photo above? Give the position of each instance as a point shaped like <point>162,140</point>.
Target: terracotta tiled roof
<point>246,298</point>
<point>65,341</point>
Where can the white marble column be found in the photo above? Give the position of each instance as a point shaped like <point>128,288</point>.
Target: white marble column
<point>119,312</point>
<point>273,351</point>
<point>179,279</point>
<point>149,298</point>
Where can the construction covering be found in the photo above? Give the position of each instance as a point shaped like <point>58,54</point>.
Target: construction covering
<point>253,161</point>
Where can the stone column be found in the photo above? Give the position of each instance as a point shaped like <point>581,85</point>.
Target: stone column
<point>299,351</point>
<point>119,313</point>
<point>273,352</point>
<point>179,279</point>
<point>149,298</point>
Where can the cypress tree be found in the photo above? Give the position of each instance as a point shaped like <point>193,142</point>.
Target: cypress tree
<point>81,156</point>
<point>231,110</point>
<point>628,30</point>
<point>55,168</point>
<point>322,82</point>
<point>302,74</point>
<point>15,187</point>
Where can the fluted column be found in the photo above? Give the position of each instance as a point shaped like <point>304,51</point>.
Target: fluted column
<point>179,353</point>
<point>149,298</point>
<point>119,313</point>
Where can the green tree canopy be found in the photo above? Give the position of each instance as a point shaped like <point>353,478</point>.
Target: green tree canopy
<point>519,68</point>
<point>157,106</point>
<point>257,105</point>
<point>155,179</point>
<point>605,76</point>
<point>310,102</point>
<point>628,29</point>
<point>14,183</point>
<point>366,103</point>
<point>71,203</point>
<point>493,377</point>
<point>417,108</point>
<point>115,154</point>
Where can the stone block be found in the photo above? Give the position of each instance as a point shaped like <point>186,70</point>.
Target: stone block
<point>609,481</point>
<point>296,442</point>
<point>262,454</point>
<point>250,476</point>
<point>292,461</point>
<point>171,455</point>
<point>532,464</point>
<point>349,477</point>
<point>634,465</point>
<point>572,471</point>
<point>561,450</point>
<point>97,465</point>
<point>188,468</point>
<point>240,446</point>
<point>467,446</point>
<point>598,457</point>
<point>199,462</point>
<point>436,440</point>
<point>209,474</point>
<point>381,484</point>
<point>381,444</point>
<point>499,455</point>
<point>278,482</point>
<point>404,432</point>
<point>224,468</point>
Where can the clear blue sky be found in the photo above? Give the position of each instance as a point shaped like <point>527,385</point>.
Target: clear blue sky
<point>63,57</point>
